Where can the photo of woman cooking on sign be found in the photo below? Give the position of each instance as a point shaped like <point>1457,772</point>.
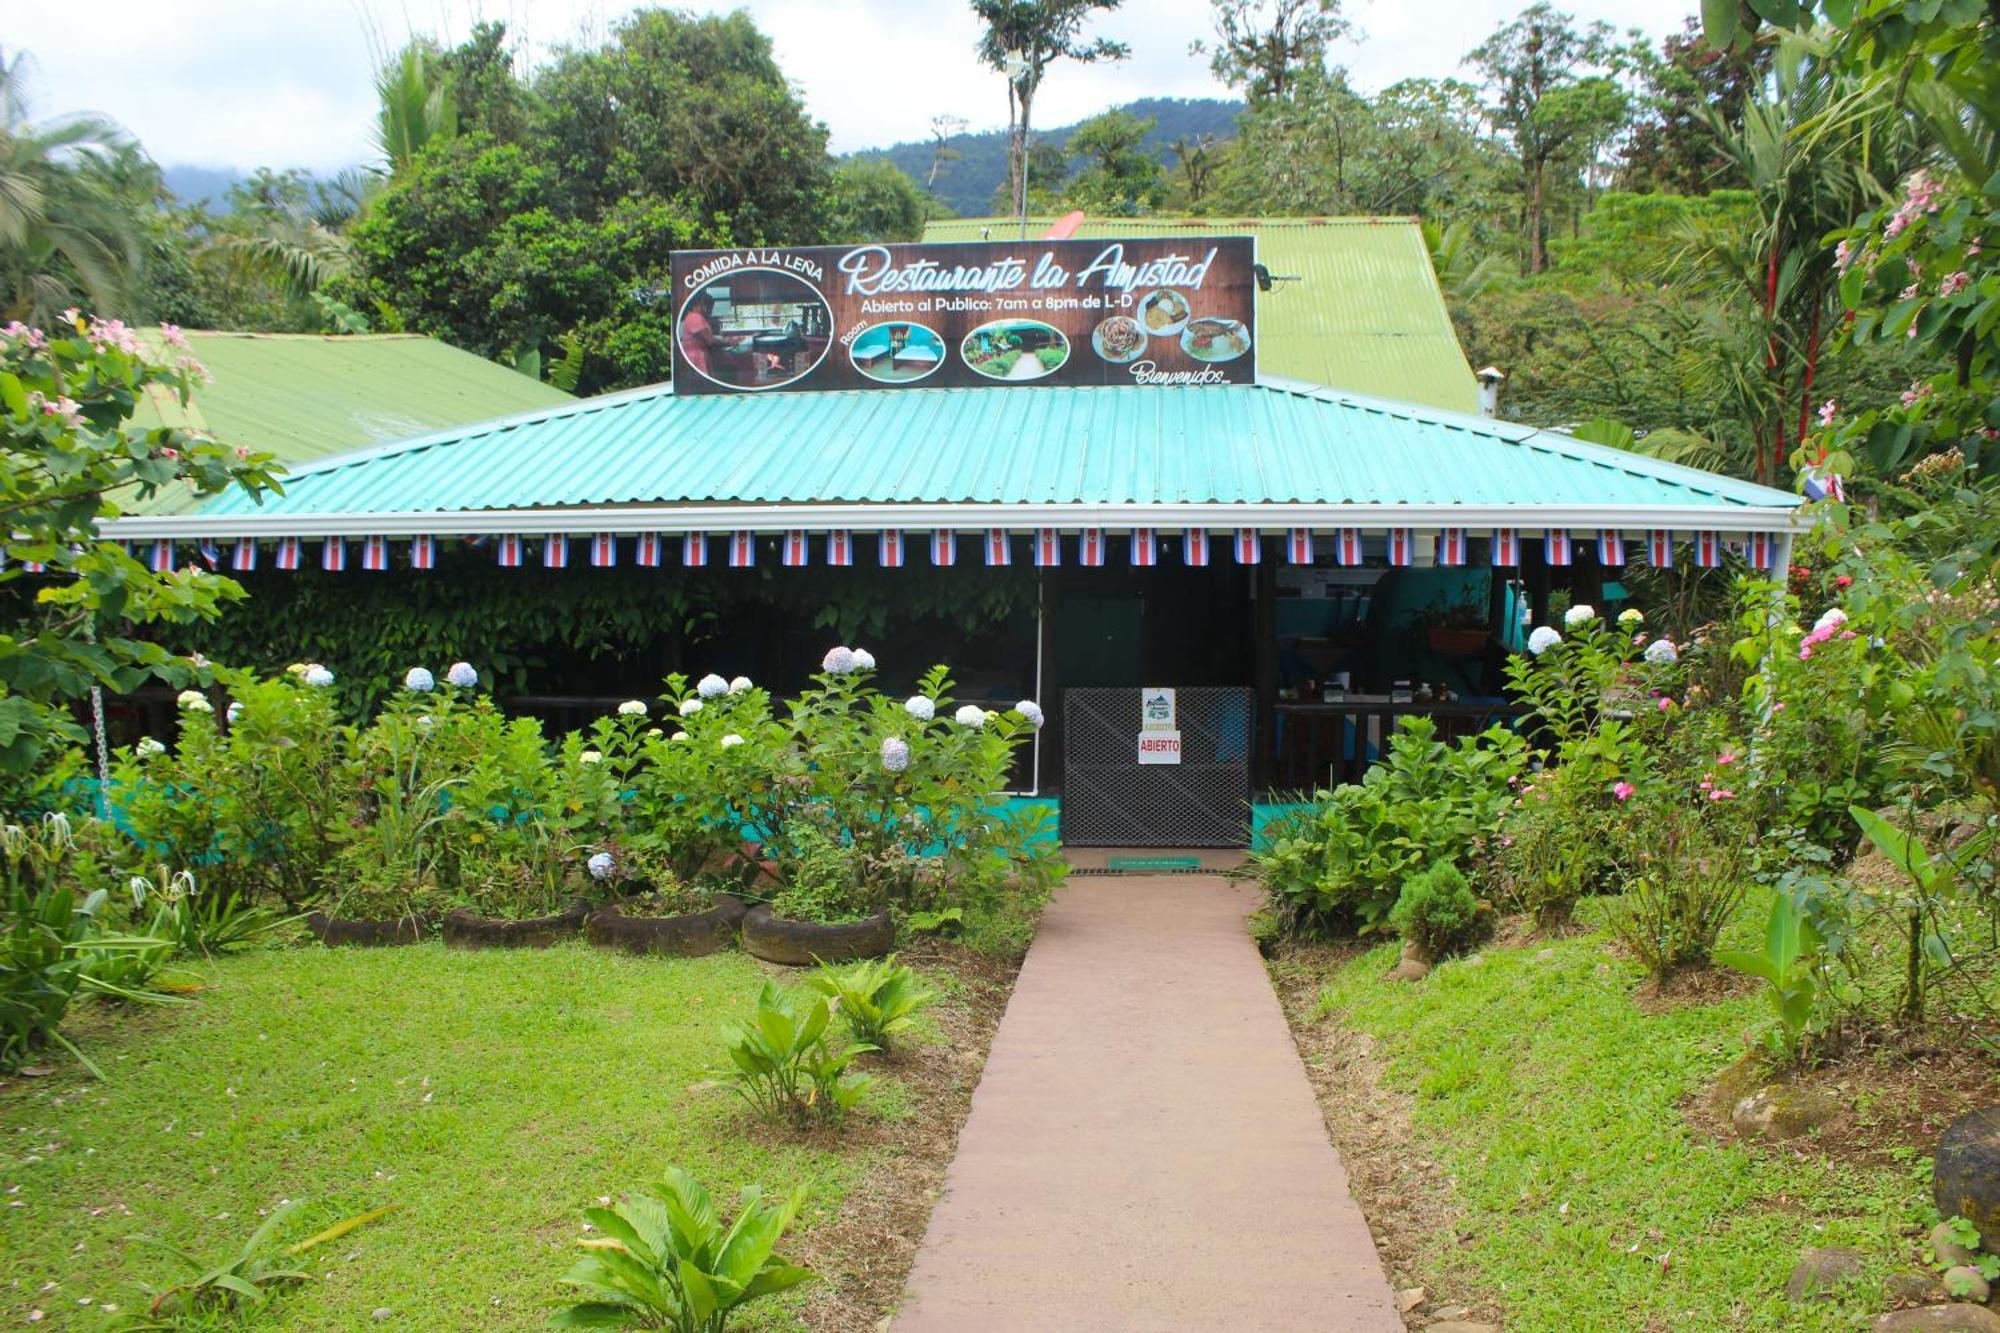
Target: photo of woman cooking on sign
<point>755,329</point>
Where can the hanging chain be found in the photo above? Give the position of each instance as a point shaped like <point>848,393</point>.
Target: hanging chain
<point>103,753</point>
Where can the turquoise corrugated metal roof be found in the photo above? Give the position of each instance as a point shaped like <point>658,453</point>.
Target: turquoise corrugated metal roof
<point>1364,313</point>
<point>1231,444</point>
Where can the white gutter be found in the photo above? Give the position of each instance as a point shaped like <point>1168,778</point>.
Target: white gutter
<point>819,517</point>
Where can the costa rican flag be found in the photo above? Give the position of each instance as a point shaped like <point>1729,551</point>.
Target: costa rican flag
<point>1660,548</point>
<point>1299,546</point>
<point>1347,548</point>
<point>508,550</point>
<point>1145,548</point>
<point>1610,546</point>
<point>998,552</point>
<point>1707,549</point>
<point>1090,547</point>
<point>1822,485</point>
<point>423,551</point>
<point>1451,546</point>
<point>333,555</point>
<point>211,554</point>
<point>840,547</point>
<point>244,558</point>
<point>796,549</point>
<point>604,551</point>
<point>162,561</point>
<point>1506,548</point>
<point>694,549</point>
<point>1556,547</point>
<point>649,553</point>
<point>1048,548</point>
<point>1402,546</point>
<point>1194,546</point>
<point>742,550</point>
<point>1762,550</point>
<point>555,551</point>
<point>32,566</point>
<point>889,548</point>
<point>944,547</point>
<point>375,554</point>
<point>1248,547</point>
<point>288,553</point>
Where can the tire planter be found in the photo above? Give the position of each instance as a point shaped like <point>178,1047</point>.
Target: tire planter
<point>463,930</point>
<point>360,931</point>
<point>690,935</point>
<point>806,943</point>
<point>733,908</point>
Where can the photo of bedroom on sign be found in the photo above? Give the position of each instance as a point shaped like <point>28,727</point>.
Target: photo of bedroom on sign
<point>755,328</point>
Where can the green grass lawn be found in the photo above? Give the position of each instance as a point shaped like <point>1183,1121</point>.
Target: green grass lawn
<point>1554,1102</point>
<point>491,1095</point>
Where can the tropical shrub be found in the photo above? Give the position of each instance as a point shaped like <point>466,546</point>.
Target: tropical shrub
<point>661,1258</point>
<point>784,1066</point>
<point>241,1284</point>
<point>824,880</point>
<point>1438,913</point>
<point>1792,968</point>
<point>877,998</point>
<point>1682,887</point>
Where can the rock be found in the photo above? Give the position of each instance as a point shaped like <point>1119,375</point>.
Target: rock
<point>1546,956</point>
<point>1966,1181</point>
<point>1409,1298</point>
<point>1945,1245</point>
<point>1454,1313</point>
<point>1940,1319</point>
<point>1963,1282</point>
<point>382,1312</point>
<point>1782,1112</point>
<point>1818,1276</point>
<point>1912,1288</point>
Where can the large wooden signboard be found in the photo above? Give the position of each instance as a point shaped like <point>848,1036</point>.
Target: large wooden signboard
<point>1165,311</point>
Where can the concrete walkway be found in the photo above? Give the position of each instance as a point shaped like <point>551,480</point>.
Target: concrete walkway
<point>1144,1151</point>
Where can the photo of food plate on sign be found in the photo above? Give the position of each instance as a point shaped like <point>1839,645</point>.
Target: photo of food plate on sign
<point>1146,311</point>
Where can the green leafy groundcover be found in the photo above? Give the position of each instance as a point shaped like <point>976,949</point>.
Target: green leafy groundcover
<point>493,1096</point>
<point>1554,1101</point>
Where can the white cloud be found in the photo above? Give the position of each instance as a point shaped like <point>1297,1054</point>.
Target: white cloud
<point>244,83</point>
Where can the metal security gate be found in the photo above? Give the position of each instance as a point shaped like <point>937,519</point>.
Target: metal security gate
<point>1110,799</point>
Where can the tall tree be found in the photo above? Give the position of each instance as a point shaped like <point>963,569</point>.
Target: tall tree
<point>1263,46</point>
<point>1118,175</point>
<point>1022,38</point>
<point>872,200</point>
<point>414,104</point>
<point>1689,89</point>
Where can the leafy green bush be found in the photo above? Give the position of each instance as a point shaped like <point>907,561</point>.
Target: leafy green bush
<point>1438,912</point>
<point>662,1259</point>
<point>1681,888</point>
<point>876,997</point>
<point>783,1064</point>
<point>823,880</point>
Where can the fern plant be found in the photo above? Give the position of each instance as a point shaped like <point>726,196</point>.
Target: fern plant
<point>877,997</point>
<point>783,1064</point>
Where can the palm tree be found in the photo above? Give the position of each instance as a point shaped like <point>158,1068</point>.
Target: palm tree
<point>69,234</point>
<point>417,107</point>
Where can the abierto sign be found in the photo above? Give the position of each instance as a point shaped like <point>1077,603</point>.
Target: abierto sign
<point>1159,747</point>
<point>1150,311</point>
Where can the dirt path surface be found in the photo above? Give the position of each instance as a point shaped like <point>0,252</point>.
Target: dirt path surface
<point>1144,1151</point>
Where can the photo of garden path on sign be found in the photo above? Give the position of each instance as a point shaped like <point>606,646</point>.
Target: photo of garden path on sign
<point>1155,311</point>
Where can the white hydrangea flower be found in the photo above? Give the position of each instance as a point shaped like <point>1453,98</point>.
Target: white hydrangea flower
<point>654,731</point>
<point>690,706</point>
<point>739,684</point>
<point>234,711</point>
<point>632,708</point>
<point>297,669</point>
<point>600,865</point>
<point>1831,618</point>
<point>711,686</point>
<point>425,722</point>
<point>863,660</point>
<point>732,739</point>
<point>838,661</point>
<point>1579,614</point>
<point>462,675</point>
<point>678,736</point>
<point>895,754</point>
<point>970,715</point>
<point>1631,615</point>
<point>318,676</point>
<point>148,747</point>
<point>1542,640</point>
<point>419,680</point>
<point>1032,711</point>
<point>920,707</point>
<point>194,701</point>
<point>1662,651</point>
<point>589,757</point>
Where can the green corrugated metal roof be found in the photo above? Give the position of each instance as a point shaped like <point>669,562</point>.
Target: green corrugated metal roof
<point>305,397</point>
<point>1251,444</point>
<point>1365,315</point>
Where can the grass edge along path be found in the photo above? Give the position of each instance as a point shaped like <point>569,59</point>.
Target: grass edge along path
<point>1553,1105</point>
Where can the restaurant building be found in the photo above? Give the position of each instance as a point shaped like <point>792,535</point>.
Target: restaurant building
<point>1226,583</point>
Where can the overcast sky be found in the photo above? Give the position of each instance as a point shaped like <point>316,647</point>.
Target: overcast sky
<point>243,83</point>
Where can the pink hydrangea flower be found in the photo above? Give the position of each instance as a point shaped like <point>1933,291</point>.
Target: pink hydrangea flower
<point>1623,790</point>
<point>1954,283</point>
